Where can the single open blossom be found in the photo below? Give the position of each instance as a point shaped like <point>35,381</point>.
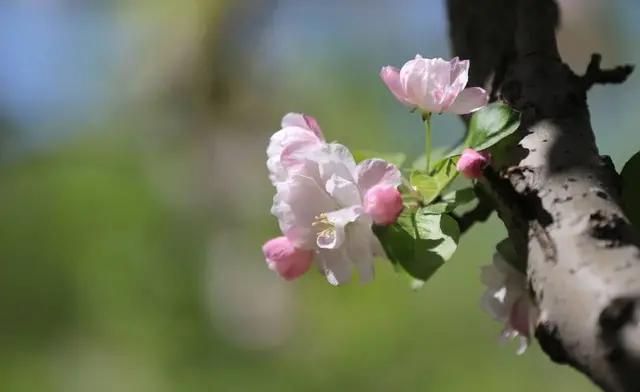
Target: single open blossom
<point>326,204</point>
<point>434,85</point>
<point>507,300</point>
<point>299,132</point>
<point>285,259</point>
<point>472,162</point>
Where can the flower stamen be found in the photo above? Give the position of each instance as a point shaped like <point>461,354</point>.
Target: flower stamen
<point>326,229</point>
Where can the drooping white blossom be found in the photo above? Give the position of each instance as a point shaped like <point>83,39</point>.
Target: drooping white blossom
<point>507,300</point>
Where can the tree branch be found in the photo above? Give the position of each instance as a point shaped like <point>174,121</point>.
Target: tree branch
<point>596,75</point>
<point>558,197</point>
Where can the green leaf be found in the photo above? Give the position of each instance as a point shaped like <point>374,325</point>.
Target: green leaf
<point>419,243</point>
<point>445,171</point>
<point>438,208</point>
<point>631,189</point>
<point>504,152</point>
<point>491,124</point>
<point>460,197</point>
<point>397,158</point>
<point>450,201</point>
<point>442,228</point>
<point>425,184</point>
<point>508,252</point>
<point>398,239</point>
<point>407,223</point>
<point>430,186</point>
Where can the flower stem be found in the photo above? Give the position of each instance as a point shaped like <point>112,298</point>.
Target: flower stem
<point>426,117</point>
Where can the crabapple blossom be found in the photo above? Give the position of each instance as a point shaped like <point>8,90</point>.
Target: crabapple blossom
<point>434,85</point>
<point>326,203</point>
<point>507,300</point>
<point>472,162</point>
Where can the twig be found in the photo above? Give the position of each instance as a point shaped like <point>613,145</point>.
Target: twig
<point>597,75</point>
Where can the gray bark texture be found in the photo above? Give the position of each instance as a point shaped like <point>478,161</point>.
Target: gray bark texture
<point>558,197</point>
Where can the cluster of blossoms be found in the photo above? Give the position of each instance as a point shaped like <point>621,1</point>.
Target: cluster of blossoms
<point>507,300</point>
<point>327,205</point>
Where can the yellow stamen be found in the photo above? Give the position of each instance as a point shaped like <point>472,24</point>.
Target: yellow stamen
<point>327,229</point>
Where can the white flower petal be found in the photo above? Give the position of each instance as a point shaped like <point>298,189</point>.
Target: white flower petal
<point>302,121</point>
<point>334,267</point>
<point>459,77</point>
<point>496,309</point>
<point>507,300</point>
<point>360,250</point>
<point>335,159</point>
<point>345,192</point>
<point>284,146</point>
<point>500,295</point>
<point>297,205</point>
<point>469,100</point>
<point>435,84</point>
<point>372,172</point>
<point>376,247</point>
<point>411,78</point>
<point>491,277</point>
<point>522,345</point>
<point>391,77</point>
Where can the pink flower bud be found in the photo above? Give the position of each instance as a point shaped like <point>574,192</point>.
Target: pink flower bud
<point>383,204</point>
<point>472,162</point>
<point>285,259</point>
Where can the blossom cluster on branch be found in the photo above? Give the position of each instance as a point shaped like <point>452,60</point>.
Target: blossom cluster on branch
<point>341,213</point>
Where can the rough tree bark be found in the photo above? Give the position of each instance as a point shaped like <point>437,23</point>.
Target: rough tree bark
<point>558,197</point>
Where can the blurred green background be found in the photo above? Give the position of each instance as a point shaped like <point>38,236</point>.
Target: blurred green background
<point>134,198</point>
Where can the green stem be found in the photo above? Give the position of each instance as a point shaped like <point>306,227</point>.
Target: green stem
<point>426,117</point>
